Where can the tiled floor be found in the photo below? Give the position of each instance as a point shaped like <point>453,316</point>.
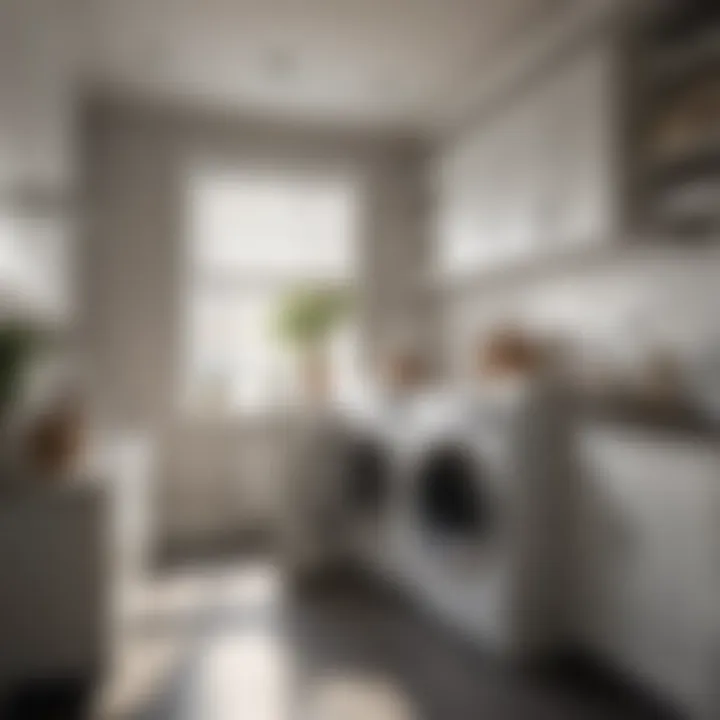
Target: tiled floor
<point>234,643</point>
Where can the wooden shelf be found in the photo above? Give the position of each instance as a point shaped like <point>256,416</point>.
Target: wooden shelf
<point>678,163</point>
<point>683,62</point>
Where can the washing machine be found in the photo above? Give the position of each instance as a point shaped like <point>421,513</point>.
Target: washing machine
<point>376,439</point>
<point>479,530</point>
<point>345,485</point>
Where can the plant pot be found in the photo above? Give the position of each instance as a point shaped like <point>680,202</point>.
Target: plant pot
<point>405,372</point>
<point>316,376</point>
<point>55,440</point>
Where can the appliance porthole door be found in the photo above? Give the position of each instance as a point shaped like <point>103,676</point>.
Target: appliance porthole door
<point>454,498</point>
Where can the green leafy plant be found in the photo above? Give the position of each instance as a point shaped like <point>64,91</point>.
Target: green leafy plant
<point>18,344</point>
<point>308,316</point>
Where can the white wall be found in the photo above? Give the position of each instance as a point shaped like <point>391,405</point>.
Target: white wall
<point>617,308</point>
<point>215,478</point>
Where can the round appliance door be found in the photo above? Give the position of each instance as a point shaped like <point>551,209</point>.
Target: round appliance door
<point>460,525</point>
<point>454,499</point>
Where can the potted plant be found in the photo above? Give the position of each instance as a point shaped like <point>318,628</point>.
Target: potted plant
<point>307,318</point>
<point>41,425</point>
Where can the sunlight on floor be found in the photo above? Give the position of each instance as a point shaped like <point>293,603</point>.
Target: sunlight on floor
<point>228,626</point>
<point>258,584</point>
<point>245,676</point>
<point>241,667</point>
<point>354,697</point>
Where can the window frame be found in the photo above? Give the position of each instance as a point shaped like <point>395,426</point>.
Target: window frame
<point>243,281</point>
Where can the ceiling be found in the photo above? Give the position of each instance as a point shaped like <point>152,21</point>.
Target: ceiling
<point>404,63</point>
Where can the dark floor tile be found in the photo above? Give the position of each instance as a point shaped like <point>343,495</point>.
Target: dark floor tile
<point>348,626</point>
<point>49,700</point>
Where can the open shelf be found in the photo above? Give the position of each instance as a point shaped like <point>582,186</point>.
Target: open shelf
<point>677,129</point>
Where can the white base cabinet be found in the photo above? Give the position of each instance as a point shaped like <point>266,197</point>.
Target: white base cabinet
<point>54,584</point>
<point>650,560</point>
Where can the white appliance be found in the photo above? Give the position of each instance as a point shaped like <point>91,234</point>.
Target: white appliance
<point>461,498</point>
<point>342,480</point>
<point>476,527</point>
<point>375,440</point>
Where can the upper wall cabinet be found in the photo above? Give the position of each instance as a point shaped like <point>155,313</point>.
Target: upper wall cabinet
<point>537,173</point>
<point>614,135</point>
<point>35,265</point>
<point>40,52</point>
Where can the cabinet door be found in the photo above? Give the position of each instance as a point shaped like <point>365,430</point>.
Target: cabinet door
<point>470,227</point>
<point>509,173</point>
<point>522,137</point>
<point>650,543</point>
<point>581,146</point>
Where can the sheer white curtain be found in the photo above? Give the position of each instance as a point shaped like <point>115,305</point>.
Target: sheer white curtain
<point>252,236</point>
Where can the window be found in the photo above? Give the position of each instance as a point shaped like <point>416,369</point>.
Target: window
<point>252,237</point>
